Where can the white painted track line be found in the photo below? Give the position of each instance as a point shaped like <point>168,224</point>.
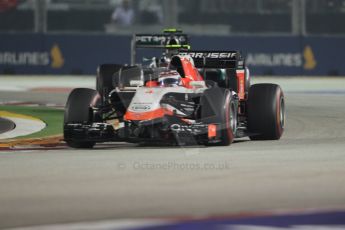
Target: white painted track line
<point>25,125</point>
<point>123,224</point>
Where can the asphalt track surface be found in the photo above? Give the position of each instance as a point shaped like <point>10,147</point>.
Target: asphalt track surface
<point>305,169</point>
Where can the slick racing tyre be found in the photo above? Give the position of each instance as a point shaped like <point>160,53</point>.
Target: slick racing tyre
<point>266,112</point>
<point>219,107</point>
<point>78,110</point>
<point>104,81</point>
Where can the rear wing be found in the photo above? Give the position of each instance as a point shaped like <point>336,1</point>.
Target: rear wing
<point>168,40</point>
<point>158,40</point>
<point>215,59</point>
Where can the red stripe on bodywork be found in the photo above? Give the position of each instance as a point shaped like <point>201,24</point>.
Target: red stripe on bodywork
<point>150,115</point>
<point>240,84</point>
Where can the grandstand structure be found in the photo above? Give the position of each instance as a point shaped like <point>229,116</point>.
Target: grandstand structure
<point>221,17</point>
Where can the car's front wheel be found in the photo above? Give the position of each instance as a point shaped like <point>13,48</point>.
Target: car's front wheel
<point>78,110</point>
<point>219,107</point>
<point>266,112</point>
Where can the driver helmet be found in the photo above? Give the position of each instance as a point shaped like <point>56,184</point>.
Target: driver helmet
<point>164,61</point>
<point>169,79</point>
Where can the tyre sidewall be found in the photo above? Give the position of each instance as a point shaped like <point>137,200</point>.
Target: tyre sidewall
<point>215,109</point>
<point>78,110</point>
<point>264,107</point>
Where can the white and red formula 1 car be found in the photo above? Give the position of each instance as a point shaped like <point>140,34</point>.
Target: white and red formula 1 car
<point>190,97</point>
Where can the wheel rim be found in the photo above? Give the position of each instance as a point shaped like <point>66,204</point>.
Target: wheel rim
<point>282,112</point>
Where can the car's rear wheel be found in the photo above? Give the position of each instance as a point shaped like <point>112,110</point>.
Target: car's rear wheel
<point>266,112</point>
<point>219,107</point>
<point>78,110</point>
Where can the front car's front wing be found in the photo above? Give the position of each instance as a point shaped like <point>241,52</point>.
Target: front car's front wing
<point>167,129</point>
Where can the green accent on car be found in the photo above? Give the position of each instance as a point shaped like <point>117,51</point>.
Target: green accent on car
<point>172,30</point>
<point>178,47</point>
<point>51,116</point>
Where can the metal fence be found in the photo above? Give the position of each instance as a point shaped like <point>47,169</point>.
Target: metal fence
<point>220,17</point>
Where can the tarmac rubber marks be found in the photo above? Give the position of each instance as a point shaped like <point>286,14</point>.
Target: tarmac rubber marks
<point>6,125</point>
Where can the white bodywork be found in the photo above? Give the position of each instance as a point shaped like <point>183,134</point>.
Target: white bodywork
<point>148,99</point>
